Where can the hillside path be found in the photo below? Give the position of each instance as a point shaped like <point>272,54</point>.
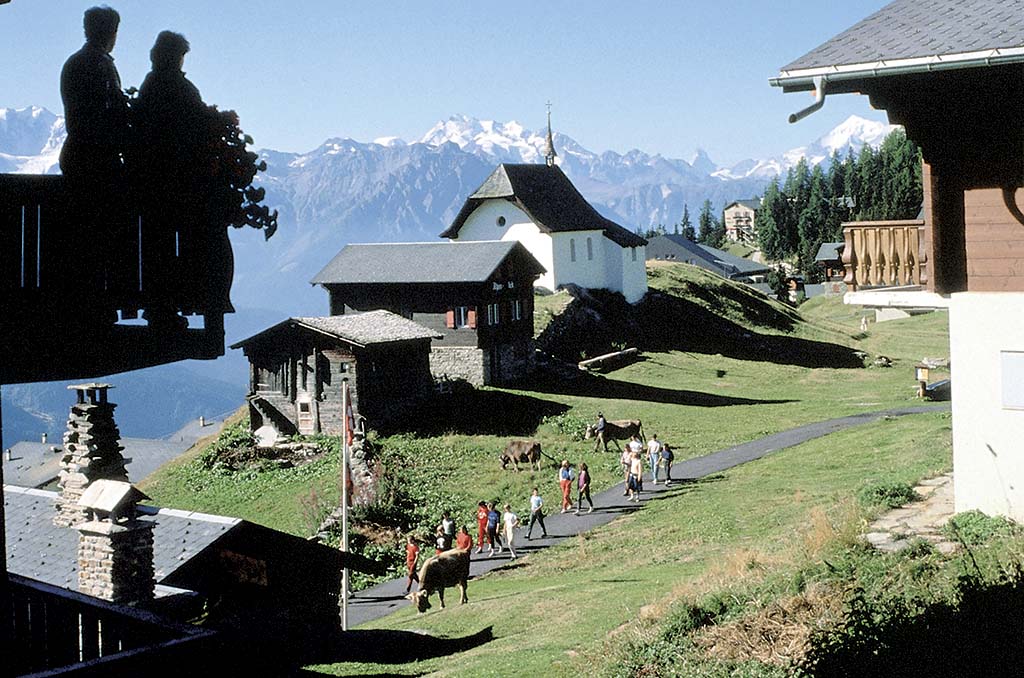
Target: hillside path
<point>385,598</point>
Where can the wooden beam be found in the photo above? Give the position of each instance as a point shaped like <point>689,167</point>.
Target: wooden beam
<point>948,256</point>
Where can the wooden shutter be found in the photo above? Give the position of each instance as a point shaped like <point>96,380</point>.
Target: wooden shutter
<point>449,319</point>
<point>471,314</point>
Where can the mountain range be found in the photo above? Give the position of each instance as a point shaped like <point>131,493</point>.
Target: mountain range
<point>391,190</point>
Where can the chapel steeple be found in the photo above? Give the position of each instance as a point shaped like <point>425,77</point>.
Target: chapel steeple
<point>549,151</point>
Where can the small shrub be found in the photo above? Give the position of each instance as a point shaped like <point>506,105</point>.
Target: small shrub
<point>233,448</point>
<point>569,424</point>
<point>887,495</point>
<point>974,527</point>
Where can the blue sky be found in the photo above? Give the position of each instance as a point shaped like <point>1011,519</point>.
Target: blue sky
<point>660,76</point>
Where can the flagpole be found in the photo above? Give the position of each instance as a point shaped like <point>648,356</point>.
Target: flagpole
<point>345,433</point>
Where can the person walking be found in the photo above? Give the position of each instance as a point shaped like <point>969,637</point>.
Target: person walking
<point>536,514</point>
<point>412,554</point>
<point>565,477</point>
<point>463,540</point>
<point>448,529</point>
<point>481,525</point>
<point>493,518</point>
<point>636,474</point>
<point>626,459</point>
<point>654,456</point>
<point>583,486</point>
<point>511,522</point>
<point>667,457</point>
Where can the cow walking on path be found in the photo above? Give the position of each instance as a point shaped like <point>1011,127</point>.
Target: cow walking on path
<point>450,568</point>
<point>614,431</point>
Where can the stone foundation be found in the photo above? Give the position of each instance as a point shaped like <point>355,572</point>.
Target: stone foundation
<point>115,561</point>
<point>458,362</point>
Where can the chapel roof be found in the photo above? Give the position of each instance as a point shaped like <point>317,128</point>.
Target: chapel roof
<point>550,200</point>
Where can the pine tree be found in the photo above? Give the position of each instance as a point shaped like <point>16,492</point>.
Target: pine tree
<point>686,226</point>
<point>712,231</point>
<point>769,237</point>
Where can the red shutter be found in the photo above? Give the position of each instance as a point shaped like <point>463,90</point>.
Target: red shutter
<point>472,318</point>
<point>449,319</point>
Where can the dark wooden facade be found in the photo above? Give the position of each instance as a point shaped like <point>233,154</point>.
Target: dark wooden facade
<point>296,377</point>
<point>63,287</point>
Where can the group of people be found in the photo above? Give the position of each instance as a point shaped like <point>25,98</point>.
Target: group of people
<point>496,529</point>
<point>659,457</point>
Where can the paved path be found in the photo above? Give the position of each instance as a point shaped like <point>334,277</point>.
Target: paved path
<point>385,598</point>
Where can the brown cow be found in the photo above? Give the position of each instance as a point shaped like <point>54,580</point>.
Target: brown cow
<point>615,431</point>
<point>521,451</point>
<point>450,568</point>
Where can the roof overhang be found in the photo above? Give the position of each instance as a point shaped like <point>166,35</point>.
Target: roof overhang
<point>840,77</point>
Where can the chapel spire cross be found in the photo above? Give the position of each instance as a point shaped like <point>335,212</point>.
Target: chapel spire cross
<point>549,152</point>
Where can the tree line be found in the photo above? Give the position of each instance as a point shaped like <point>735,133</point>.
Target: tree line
<point>810,205</point>
<point>808,209</point>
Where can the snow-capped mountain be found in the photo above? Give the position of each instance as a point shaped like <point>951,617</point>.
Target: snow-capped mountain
<point>30,140</point>
<point>852,134</point>
<point>393,190</point>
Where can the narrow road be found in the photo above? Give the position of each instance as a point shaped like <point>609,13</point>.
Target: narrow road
<point>385,598</point>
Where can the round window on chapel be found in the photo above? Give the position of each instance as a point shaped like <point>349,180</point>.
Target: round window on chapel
<point>500,221</point>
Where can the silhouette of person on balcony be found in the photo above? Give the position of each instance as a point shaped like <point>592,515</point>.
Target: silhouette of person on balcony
<point>95,108</point>
<point>171,123</point>
<point>96,118</point>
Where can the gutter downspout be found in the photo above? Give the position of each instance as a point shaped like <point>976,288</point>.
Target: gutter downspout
<point>819,100</point>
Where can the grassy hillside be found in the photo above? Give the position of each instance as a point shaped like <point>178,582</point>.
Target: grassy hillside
<point>721,365</point>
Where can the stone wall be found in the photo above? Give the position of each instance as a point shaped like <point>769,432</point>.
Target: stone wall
<point>515,360</point>
<point>115,561</point>
<point>459,362</point>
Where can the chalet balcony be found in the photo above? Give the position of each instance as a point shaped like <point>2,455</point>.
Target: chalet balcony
<point>67,289</point>
<point>884,254</point>
<point>57,632</point>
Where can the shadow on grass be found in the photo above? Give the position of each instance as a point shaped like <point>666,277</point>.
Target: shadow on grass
<point>594,386</point>
<point>385,646</point>
<point>668,322</point>
<point>470,411</point>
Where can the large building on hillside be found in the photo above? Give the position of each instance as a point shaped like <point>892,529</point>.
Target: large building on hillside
<point>476,297</point>
<point>738,219</point>
<point>950,72</point>
<point>678,248</point>
<point>538,206</point>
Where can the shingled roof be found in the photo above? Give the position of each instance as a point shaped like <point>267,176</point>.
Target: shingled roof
<point>38,549</point>
<point>904,34</point>
<point>361,329</point>
<point>550,200</point>
<point>423,262</point>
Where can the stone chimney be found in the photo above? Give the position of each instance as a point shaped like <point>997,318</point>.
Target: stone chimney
<point>115,547</point>
<point>91,451</point>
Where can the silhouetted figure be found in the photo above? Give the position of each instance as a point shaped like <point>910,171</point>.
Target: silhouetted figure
<point>95,108</point>
<point>172,133</point>
<point>96,118</point>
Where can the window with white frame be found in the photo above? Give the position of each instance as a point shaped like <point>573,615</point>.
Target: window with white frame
<point>517,310</point>
<point>493,314</point>
<point>590,249</point>
<point>572,249</point>
<point>461,316</point>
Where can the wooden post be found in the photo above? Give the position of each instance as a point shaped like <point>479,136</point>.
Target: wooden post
<point>344,502</point>
<point>949,241</point>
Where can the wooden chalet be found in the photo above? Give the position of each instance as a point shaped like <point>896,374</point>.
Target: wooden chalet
<point>476,296</point>
<point>952,73</point>
<point>297,367</point>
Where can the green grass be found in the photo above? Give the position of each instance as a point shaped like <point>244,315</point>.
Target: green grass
<point>574,604</point>
<point>559,612</point>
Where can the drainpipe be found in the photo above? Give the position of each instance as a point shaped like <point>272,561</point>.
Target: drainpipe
<point>819,100</point>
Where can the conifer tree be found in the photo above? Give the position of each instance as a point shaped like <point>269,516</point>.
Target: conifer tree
<point>686,226</point>
<point>712,231</point>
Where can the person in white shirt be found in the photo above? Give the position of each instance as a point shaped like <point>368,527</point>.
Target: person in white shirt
<point>654,456</point>
<point>511,521</point>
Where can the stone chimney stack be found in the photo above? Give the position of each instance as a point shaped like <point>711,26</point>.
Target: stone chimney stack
<point>115,547</point>
<point>91,451</point>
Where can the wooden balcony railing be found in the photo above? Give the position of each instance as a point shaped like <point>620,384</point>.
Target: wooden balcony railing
<point>884,254</point>
<point>57,632</point>
<point>66,277</point>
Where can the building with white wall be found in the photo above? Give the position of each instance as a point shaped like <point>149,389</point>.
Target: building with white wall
<point>538,206</point>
